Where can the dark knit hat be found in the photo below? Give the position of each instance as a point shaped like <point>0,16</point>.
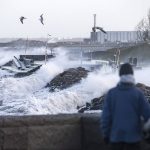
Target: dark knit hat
<point>125,69</point>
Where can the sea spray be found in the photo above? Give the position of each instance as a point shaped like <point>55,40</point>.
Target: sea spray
<point>23,96</point>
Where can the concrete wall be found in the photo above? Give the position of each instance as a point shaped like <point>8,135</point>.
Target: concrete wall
<point>120,36</point>
<point>36,57</point>
<point>142,52</point>
<point>52,132</point>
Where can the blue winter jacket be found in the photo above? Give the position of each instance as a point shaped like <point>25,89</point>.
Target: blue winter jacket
<point>121,118</point>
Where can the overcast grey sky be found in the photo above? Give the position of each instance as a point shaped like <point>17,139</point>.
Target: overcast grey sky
<point>68,18</point>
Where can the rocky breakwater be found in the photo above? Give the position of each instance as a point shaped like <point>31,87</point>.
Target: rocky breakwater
<point>97,103</point>
<point>67,78</point>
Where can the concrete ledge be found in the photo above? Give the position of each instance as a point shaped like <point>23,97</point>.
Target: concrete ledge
<point>49,132</point>
<point>52,132</point>
<point>40,120</point>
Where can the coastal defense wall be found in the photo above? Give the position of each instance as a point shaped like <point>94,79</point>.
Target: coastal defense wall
<point>52,132</point>
<point>142,52</point>
<point>36,57</point>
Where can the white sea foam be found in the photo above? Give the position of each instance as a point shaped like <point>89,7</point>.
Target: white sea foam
<point>7,54</point>
<point>28,95</point>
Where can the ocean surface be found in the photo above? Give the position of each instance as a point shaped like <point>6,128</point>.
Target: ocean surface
<point>28,95</point>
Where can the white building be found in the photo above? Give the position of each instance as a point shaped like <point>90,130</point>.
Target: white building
<point>115,36</point>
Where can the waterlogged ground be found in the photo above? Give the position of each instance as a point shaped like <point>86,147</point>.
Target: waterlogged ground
<point>28,95</point>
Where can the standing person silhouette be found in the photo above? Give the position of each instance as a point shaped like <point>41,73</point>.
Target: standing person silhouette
<point>123,108</point>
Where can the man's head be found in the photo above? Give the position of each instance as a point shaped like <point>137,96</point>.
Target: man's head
<point>126,69</point>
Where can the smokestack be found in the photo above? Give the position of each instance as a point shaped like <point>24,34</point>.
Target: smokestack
<point>94,20</point>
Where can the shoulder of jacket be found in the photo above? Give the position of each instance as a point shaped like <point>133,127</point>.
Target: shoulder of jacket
<point>112,90</point>
<point>138,90</point>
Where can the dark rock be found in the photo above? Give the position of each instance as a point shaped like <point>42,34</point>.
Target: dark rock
<point>145,89</point>
<point>67,78</point>
<point>96,104</point>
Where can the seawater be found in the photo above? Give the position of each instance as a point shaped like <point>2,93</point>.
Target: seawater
<point>28,95</point>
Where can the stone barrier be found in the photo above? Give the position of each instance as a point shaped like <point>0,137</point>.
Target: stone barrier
<point>52,132</point>
<point>36,57</point>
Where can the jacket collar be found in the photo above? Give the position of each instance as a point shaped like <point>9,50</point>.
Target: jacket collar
<point>126,82</point>
<point>129,79</point>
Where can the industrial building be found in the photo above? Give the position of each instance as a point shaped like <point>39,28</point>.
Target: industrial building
<point>115,36</point>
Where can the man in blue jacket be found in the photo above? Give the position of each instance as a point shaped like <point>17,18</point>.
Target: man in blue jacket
<point>124,107</point>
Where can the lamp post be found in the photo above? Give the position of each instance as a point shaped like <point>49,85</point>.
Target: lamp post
<point>26,46</point>
<point>46,48</point>
<point>81,53</point>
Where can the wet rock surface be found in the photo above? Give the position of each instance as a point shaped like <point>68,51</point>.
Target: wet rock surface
<point>145,89</point>
<point>97,103</point>
<point>67,78</point>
